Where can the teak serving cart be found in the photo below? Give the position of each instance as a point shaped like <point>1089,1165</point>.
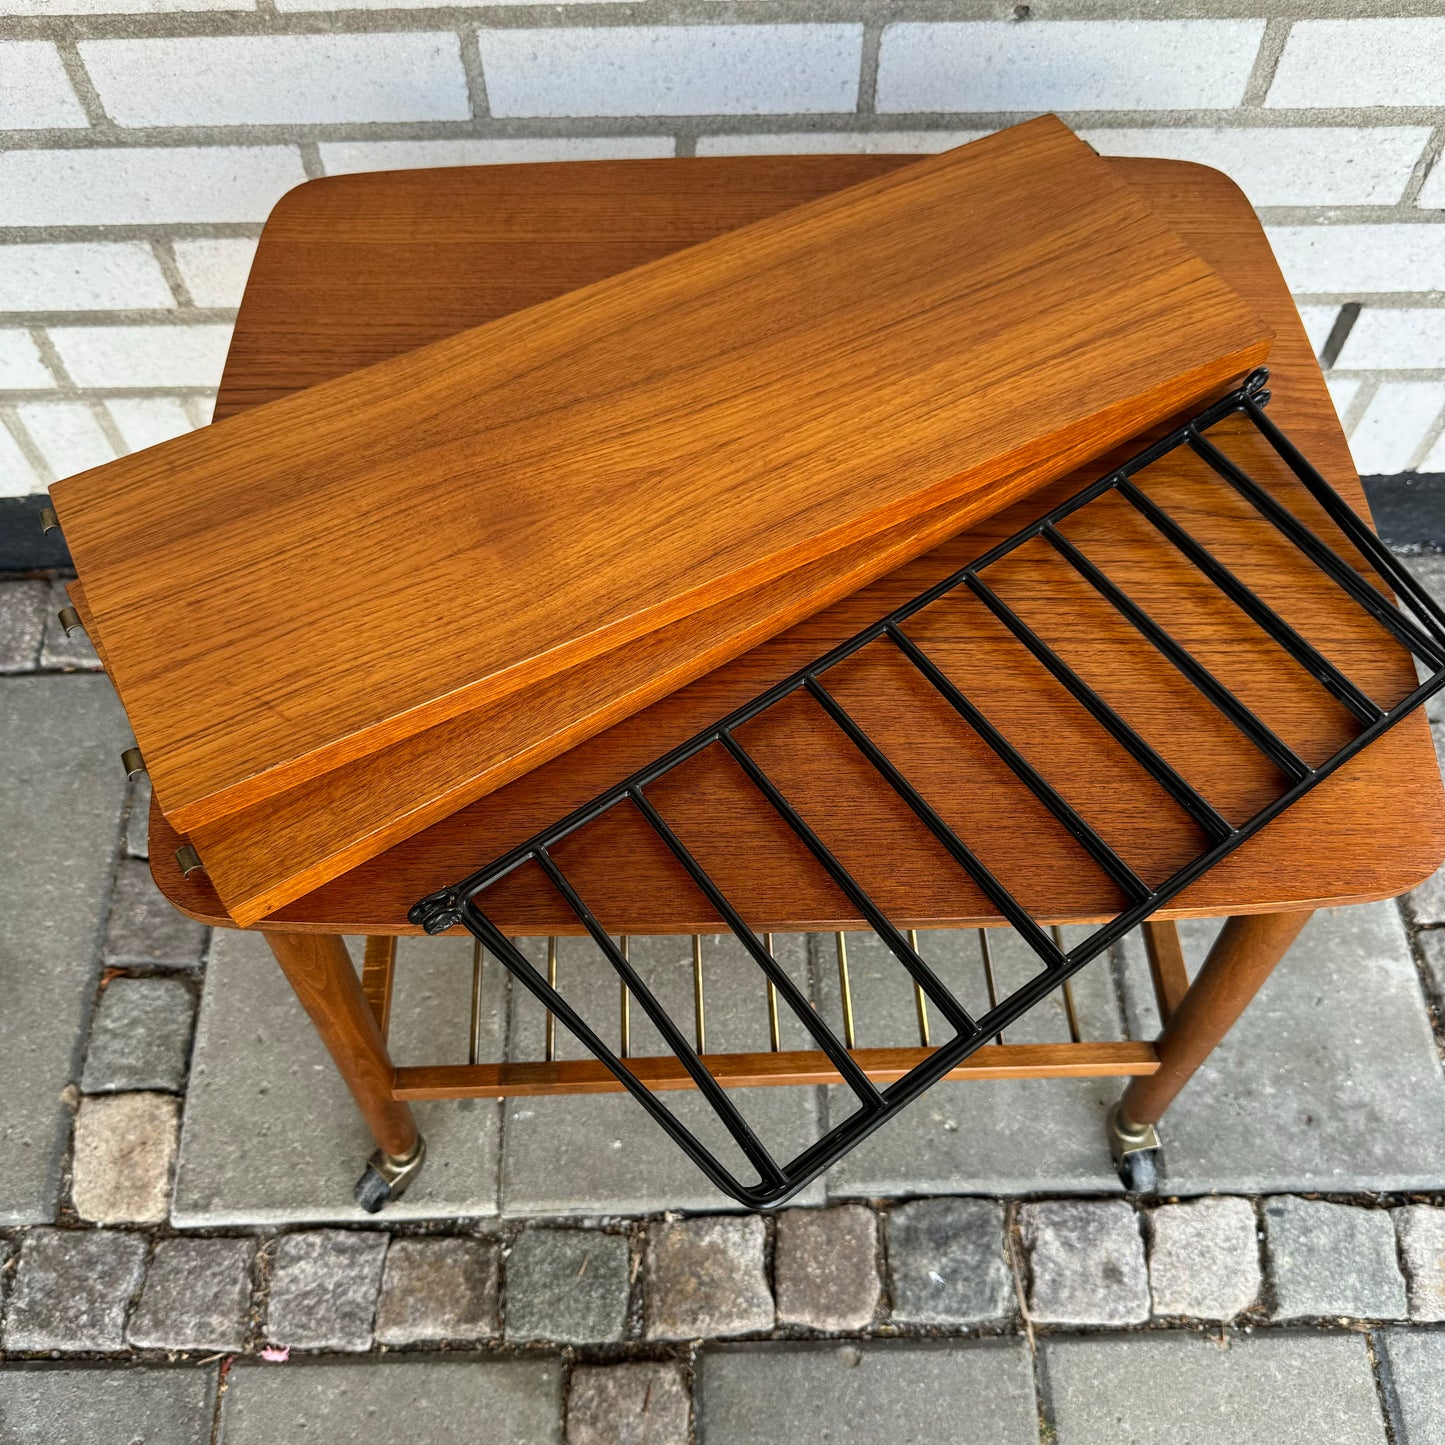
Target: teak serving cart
<point>356,269</point>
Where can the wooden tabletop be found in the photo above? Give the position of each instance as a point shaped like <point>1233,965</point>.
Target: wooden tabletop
<point>354,269</point>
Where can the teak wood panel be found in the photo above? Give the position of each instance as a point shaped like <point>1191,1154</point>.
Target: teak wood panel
<point>1372,831</point>
<point>297,587</point>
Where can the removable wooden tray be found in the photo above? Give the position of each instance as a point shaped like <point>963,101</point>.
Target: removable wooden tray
<point>299,587</point>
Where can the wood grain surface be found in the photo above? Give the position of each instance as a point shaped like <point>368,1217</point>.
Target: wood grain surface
<point>1372,831</point>
<point>297,587</point>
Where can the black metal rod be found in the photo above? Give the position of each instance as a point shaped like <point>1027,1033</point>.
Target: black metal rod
<point>1317,550</point>
<point>520,967</point>
<point>1349,522</point>
<point>714,1092</point>
<point>1188,797</point>
<point>1249,723</point>
<point>957,849</point>
<point>808,1016</point>
<point>1129,882</point>
<point>892,939</point>
<point>1305,653</point>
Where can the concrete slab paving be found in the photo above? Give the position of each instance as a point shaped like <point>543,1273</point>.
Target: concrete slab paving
<point>1331,1080</point>
<point>995,1136</point>
<point>104,1405</point>
<point>454,1402</point>
<point>924,1392</point>
<point>61,795</point>
<point>600,1153</point>
<point>270,1134</point>
<point>1161,1389</point>
<point>1414,1372</point>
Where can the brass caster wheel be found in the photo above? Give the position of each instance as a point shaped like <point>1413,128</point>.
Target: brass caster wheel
<point>388,1177</point>
<point>1136,1152</point>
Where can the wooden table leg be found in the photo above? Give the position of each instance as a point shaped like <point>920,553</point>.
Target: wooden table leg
<point>1243,956</point>
<point>321,972</point>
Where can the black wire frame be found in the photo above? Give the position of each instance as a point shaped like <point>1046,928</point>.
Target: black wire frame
<point>1422,633</point>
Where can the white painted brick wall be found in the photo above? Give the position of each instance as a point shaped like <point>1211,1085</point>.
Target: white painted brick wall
<point>878,143</point>
<point>1390,338</point>
<point>274,79</point>
<point>82,276</point>
<point>35,92</point>
<point>21,366</point>
<point>17,477</point>
<point>69,436</point>
<point>1396,425</point>
<point>146,421</point>
<point>132,186</point>
<point>343,157</point>
<point>142,356</point>
<point>215,269</point>
<point>672,70</point>
<point>1361,259</point>
<point>143,143</point>
<point>1362,62</point>
<point>1067,65</point>
<point>1287,166</point>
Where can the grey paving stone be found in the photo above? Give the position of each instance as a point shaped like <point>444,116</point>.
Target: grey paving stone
<point>1003,1136</point>
<point>927,1393</point>
<point>568,1285</point>
<point>271,1135</point>
<point>138,819</point>
<point>1414,1373</point>
<point>438,1289</point>
<point>141,1036</point>
<point>599,1153</point>
<point>57,651</point>
<point>196,1296</point>
<point>635,1404</point>
<point>324,1286</point>
<point>106,1405</point>
<point>125,1152</point>
<point>455,1401</point>
<point>1330,1081</point>
<point>144,928</point>
<point>1281,1387</point>
<point>706,1277</point>
<point>23,605</point>
<point>825,1262</point>
<point>946,1262</point>
<point>1421,1232</point>
<point>1332,1259</point>
<point>72,1289</point>
<point>61,792</point>
<point>1086,1262</point>
<point>1204,1258</point>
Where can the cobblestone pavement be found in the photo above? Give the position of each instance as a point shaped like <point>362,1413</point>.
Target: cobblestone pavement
<point>178,1251</point>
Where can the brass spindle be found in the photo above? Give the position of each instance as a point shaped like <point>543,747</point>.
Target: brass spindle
<point>920,1002</point>
<point>551,1052</point>
<point>699,1013</point>
<point>774,1036</point>
<point>475,1041</point>
<point>626,1006</point>
<point>1069,1009</point>
<point>986,949</point>
<point>845,990</point>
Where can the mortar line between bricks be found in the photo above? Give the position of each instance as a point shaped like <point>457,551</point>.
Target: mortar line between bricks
<point>180,315</point>
<point>1433,432</point>
<point>1266,62</point>
<point>767,12</point>
<point>1043,1404</point>
<point>868,68</point>
<point>108,428</point>
<point>197,136</point>
<point>1429,158</point>
<point>84,87</point>
<point>10,421</point>
<point>469,43</point>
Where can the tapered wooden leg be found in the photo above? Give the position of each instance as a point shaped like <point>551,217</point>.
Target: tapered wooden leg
<point>1243,956</point>
<point>321,972</point>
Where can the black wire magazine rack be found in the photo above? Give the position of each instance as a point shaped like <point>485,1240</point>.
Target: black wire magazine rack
<point>1420,630</point>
